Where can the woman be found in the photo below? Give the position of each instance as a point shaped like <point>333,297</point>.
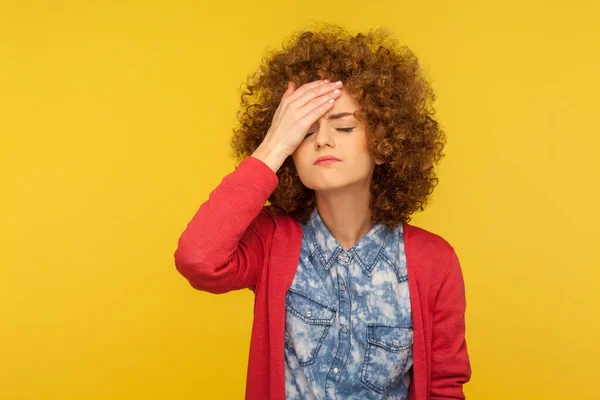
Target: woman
<point>351,301</point>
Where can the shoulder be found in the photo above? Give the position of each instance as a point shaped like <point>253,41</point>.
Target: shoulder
<point>430,251</point>
<point>263,224</point>
<point>280,217</point>
<point>268,220</point>
<point>422,238</point>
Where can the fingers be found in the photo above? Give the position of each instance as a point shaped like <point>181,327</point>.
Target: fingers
<point>319,101</point>
<point>290,89</point>
<point>326,103</point>
<point>307,92</point>
<point>313,93</point>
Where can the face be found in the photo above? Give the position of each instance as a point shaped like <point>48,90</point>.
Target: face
<point>339,135</point>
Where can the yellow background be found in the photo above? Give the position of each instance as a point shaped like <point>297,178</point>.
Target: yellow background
<point>115,119</point>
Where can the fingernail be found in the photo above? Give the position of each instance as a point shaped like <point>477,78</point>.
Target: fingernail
<point>339,83</point>
<point>326,80</point>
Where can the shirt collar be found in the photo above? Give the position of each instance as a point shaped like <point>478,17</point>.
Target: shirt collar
<point>365,252</point>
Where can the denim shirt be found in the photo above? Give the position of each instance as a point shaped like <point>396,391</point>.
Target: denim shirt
<point>348,328</point>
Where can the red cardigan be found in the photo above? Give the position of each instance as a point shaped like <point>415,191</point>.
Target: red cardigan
<point>234,241</point>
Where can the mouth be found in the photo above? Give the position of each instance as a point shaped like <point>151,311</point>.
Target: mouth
<point>327,161</point>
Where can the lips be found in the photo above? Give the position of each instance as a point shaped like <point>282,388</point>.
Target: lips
<point>327,159</point>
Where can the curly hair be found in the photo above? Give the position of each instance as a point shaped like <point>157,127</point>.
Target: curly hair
<point>395,100</point>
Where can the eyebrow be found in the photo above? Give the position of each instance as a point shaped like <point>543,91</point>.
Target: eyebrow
<point>339,115</point>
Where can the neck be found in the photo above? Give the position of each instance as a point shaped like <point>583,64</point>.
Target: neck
<point>346,214</point>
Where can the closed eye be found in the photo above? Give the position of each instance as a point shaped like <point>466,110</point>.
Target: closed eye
<point>337,129</point>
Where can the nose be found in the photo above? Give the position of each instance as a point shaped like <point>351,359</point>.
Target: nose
<point>323,137</point>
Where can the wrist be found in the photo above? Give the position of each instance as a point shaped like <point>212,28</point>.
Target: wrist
<point>272,156</point>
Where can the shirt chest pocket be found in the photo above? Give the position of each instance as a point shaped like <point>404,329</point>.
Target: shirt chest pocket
<point>307,322</point>
<point>388,355</point>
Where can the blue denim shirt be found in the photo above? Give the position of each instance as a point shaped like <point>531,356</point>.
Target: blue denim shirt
<point>348,328</point>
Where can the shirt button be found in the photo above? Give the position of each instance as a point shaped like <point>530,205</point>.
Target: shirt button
<point>344,329</point>
<point>342,286</point>
<point>308,313</point>
<point>395,342</point>
<point>336,370</point>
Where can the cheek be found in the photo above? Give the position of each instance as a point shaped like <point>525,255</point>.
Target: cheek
<point>300,154</point>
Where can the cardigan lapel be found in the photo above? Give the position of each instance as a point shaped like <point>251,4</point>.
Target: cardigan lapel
<point>420,362</point>
<point>284,258</point>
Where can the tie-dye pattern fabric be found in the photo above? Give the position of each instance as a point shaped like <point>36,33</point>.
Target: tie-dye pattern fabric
<point>348,329</point>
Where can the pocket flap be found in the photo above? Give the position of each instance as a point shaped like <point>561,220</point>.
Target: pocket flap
<point>309,310</point>
<point>392,338</point>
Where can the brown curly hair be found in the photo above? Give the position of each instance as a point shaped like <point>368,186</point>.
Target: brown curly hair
<point>395,101</point>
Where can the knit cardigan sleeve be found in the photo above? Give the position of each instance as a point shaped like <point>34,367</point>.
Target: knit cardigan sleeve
<point>226,244</point>
<point>450,366</point>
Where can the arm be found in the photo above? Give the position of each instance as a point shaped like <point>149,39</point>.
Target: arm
<point>450,365</point>
<point>223,247</point>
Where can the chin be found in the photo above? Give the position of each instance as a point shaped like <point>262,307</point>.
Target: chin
<point>324,186</point>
